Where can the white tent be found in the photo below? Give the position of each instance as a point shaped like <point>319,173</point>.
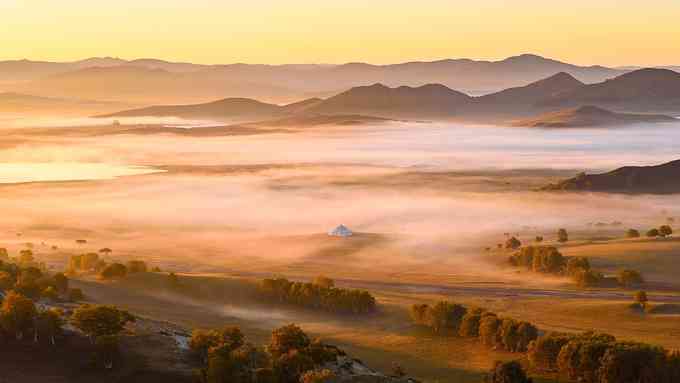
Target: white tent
<point>340,231</point>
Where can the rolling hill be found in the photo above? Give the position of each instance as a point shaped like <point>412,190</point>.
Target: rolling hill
<point>660,179</point>
<point>590,116</point>
<point>643,89</point>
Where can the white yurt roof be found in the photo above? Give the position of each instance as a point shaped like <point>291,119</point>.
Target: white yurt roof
<point>340,231</point>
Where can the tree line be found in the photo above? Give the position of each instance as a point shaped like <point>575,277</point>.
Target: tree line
<point>491,330</point>
<point>36,283</point>
<point>599,358</point>
<point>224,356</point>
<point>548,260</point>
<point>319,294</point>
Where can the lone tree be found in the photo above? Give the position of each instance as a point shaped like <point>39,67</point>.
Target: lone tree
<point>513,243</point>
<point>562,235</point>
<point>97,321</point>
<point>632,233</point>
<point>665,231</point>
<point>539,239</point>
<point>105,251</point>
<point>641,299</point>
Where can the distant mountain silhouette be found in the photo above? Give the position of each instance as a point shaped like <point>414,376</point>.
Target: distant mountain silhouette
<point>590,116</point>
<point>193,83</point>
<point>225,109</point>
<point>28,105</point>
<point>643,89</point>
<point>661,179</point>
<point>431,100</point>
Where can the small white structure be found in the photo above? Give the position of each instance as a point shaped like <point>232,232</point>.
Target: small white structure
<point>340,231</point>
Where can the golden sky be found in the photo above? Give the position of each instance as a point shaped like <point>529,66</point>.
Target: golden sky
<point>608,32</point>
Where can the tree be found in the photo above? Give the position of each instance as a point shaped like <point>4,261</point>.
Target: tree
<point>17,314</point>
<point>26,257</point>
<point>653,233</point>
<point>513,243</point>
<point>290,366</point>
<point>641,299</point>
<point>89,261</point>
<point>469,325</point>
<point>50,293</point>
<point>324,282</point>
<point>287,338</point>
<point>488,329</point>
<point>588,278</point>
<point>665,231</point>
<point>632,362</point>
<point>113,271</point>
<point>579,359</point>
<point>538,239</point>
<point>105,251</point>
<point>136,267</point>
<point>201,342</point>
<point>48,324</point>
<point>543,352</point>
<point>75,295</point>
<point>7,281</point>
<point>61,282</point>
<point>107,350</point>
<point>507,372</point>
<point>562,235</point>
<point>97,321</point>
<point>4,256</point>
<point>577,264</point>
<point>632,233</point>
<point>629,278</point>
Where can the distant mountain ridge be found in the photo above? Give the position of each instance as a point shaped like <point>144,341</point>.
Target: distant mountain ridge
<point>278,83</point>
<point>535,104</point>
<point>659,179</point>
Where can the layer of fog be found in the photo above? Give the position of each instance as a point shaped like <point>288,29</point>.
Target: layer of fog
<point>273,220</point>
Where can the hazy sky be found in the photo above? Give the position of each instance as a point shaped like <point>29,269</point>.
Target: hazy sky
<point>609,32</point>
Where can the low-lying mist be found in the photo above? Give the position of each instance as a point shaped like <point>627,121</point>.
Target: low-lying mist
<point>264,203</point>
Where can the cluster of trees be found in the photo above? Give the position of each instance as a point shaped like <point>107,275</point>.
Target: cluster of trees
<point>663,231</point>
<point>491,330</point>
<point>91,262</point>
<point>21,318</point>
<point>548,260</point>
<point>319,294</point>
<point>36,283</point>
<point>600,358</point>
<point>290,357</point>
<point>507,372</point>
